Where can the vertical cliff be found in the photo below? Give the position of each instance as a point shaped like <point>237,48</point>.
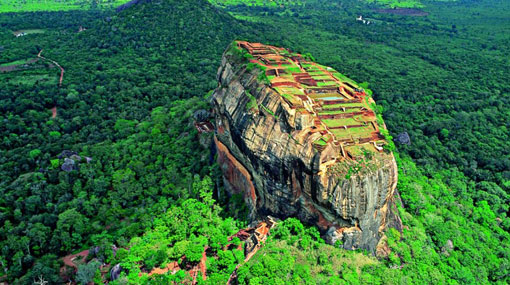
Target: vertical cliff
<point>299,139</point>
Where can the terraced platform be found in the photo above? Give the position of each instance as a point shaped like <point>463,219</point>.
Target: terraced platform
<point>342,110</point>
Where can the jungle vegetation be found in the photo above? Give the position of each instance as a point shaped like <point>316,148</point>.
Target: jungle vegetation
<point>133,80</point>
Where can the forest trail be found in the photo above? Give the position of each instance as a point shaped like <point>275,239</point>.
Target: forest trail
<point>69,260</point>
<point>56,63</point>
<point>72,261</point>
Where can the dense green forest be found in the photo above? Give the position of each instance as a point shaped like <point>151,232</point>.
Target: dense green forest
<point>424,72</point>
<point>120,162</point>
<point>118,76</point>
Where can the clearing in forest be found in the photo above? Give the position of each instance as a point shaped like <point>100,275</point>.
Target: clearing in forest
<point>17,64</point>
<point>7,6</point>
<point>28,72</point>
<point>24,32</point>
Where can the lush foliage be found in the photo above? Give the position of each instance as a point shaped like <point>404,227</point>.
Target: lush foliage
<point>186,230</point>
<point>453,102</point>
<point>444,241</point>
<point>133,80</point>
<point>268,3</point>
<point>120,106</point>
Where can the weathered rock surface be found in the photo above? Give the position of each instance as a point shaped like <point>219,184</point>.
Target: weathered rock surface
<point>72,160</point>
<point>267,154</point>
<point>69,165</point>
<point>403,138</point>
<point>115,272</point>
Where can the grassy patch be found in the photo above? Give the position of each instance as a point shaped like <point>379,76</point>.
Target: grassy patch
<point>255,3</point>
<point>30,77</point>
<point>321,141</point>
<point>55,5</point>
<point>288,97</point>
<point>340,122</point>
<point>253,102</point>
<point>29,31</point>
<point>293,70</point>
<point>328,83</point>
<point>398,3</point>
<point>404,3</point>
<point>16,62</point>
<point>269,111</point>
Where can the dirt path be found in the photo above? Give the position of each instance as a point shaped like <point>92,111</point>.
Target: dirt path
<point>171,267</point>
<point>69,260</point>
<point>55,63</point>
<point>203,265</point>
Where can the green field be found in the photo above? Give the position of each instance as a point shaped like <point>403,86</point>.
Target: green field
<point>38,74</point>
<point>29,31</point>
<point>404,3</point>
<point>16,62</point>
<point>54,5</point>
<point>280,3</point>
<point>398,3</point>
<point>274,3</point>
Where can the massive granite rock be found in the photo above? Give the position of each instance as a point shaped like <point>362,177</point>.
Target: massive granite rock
<point>298,139</point>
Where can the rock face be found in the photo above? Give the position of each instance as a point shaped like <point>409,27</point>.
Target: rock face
<point>71,160</point>
<point>403,138</point>
<point>115,272</point>
<point>297,141</point>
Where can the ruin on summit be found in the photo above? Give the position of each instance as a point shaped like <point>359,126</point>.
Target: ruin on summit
<point>342,110</point>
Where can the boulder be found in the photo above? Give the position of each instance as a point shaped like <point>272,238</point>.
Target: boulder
<point>75,157</point>
<point>447,248</point>
<point>69,165</point>
<point>201,115</point>
<point>115,272</point>
<point>67,153</point>
<point>403,138</point>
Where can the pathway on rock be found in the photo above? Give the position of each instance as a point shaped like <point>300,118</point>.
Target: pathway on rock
<point>56,63</point>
